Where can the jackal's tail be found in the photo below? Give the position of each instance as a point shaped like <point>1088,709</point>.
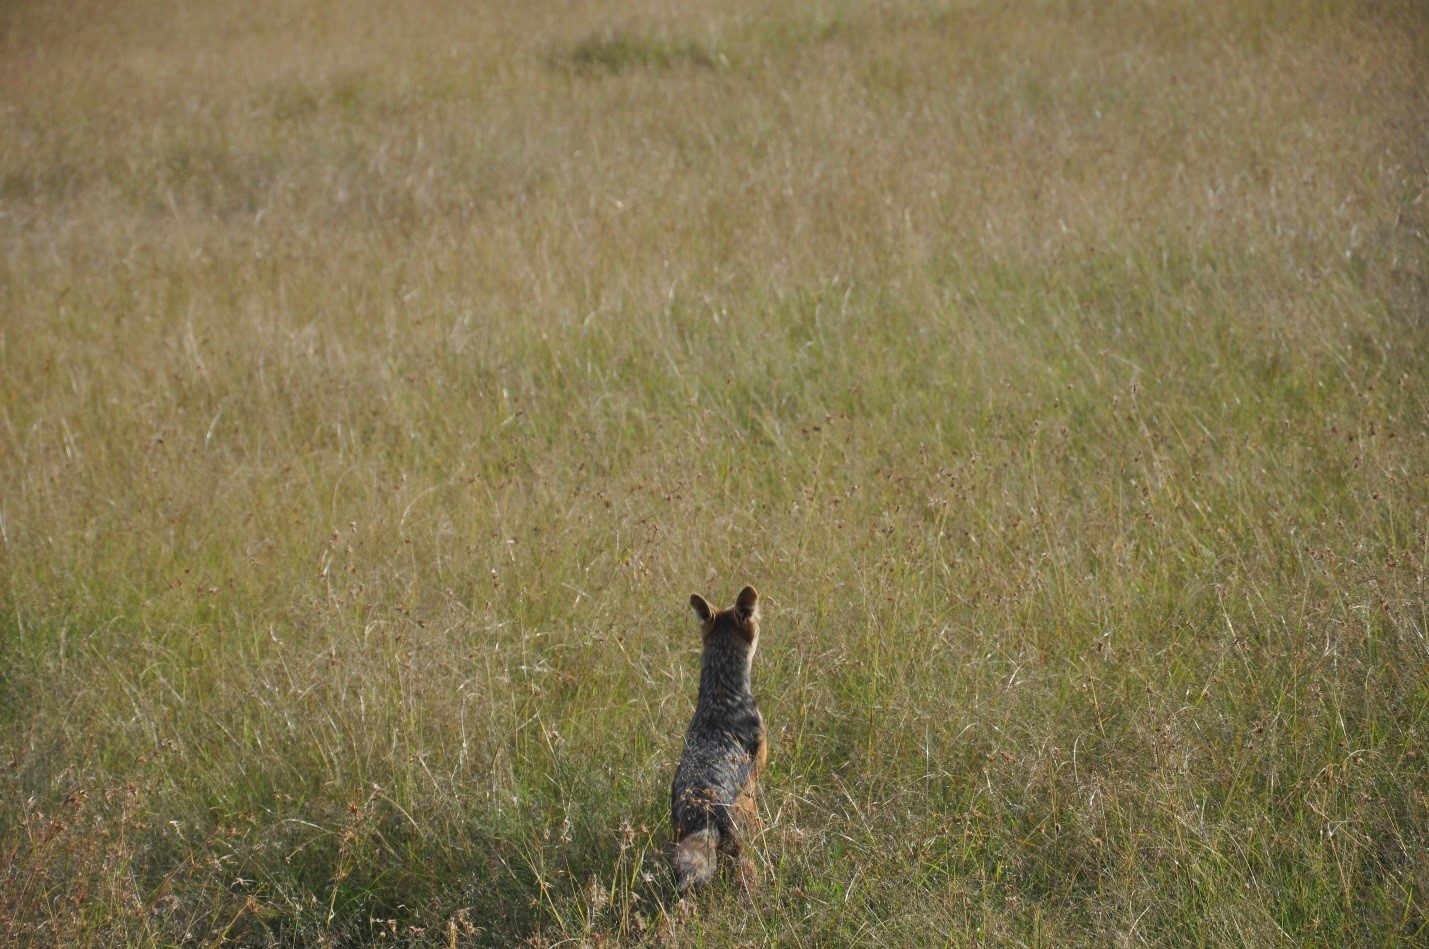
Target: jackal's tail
<point>696,858</point>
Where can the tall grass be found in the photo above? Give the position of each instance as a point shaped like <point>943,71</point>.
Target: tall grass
<point>378,382</point>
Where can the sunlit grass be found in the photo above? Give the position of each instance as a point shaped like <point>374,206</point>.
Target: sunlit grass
<point>378,384</point>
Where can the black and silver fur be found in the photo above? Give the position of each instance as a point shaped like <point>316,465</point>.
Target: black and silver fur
<point>712,801</point>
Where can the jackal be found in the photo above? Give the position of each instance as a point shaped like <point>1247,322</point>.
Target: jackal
<point>712,801</point>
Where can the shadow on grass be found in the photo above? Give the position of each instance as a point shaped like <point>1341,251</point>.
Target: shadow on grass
<point>612,52</point>
<point>374,874</point>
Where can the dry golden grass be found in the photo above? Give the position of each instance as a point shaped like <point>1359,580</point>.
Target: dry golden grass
<point>379,381</point>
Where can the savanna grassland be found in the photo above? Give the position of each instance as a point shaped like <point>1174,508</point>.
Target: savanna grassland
<point>377,381</point>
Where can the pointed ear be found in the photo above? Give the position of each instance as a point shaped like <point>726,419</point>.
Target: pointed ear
<point>747,604</point>
<point>702,609</point>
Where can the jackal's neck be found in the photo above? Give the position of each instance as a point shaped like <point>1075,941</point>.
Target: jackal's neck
<point>724,669</point>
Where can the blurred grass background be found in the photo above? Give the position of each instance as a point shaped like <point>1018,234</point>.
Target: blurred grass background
<point>379,381</point>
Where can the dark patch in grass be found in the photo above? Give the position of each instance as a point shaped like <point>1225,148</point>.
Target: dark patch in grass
<point>613,52</point>
<point>55,181</point>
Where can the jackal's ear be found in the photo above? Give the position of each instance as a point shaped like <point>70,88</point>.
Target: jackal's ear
<point>747,604</point>
<point>702,609</point>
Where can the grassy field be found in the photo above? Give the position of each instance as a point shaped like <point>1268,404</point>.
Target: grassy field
<point>377,381</point>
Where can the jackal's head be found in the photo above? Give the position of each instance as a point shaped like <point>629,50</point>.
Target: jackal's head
<point>740,620</point>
